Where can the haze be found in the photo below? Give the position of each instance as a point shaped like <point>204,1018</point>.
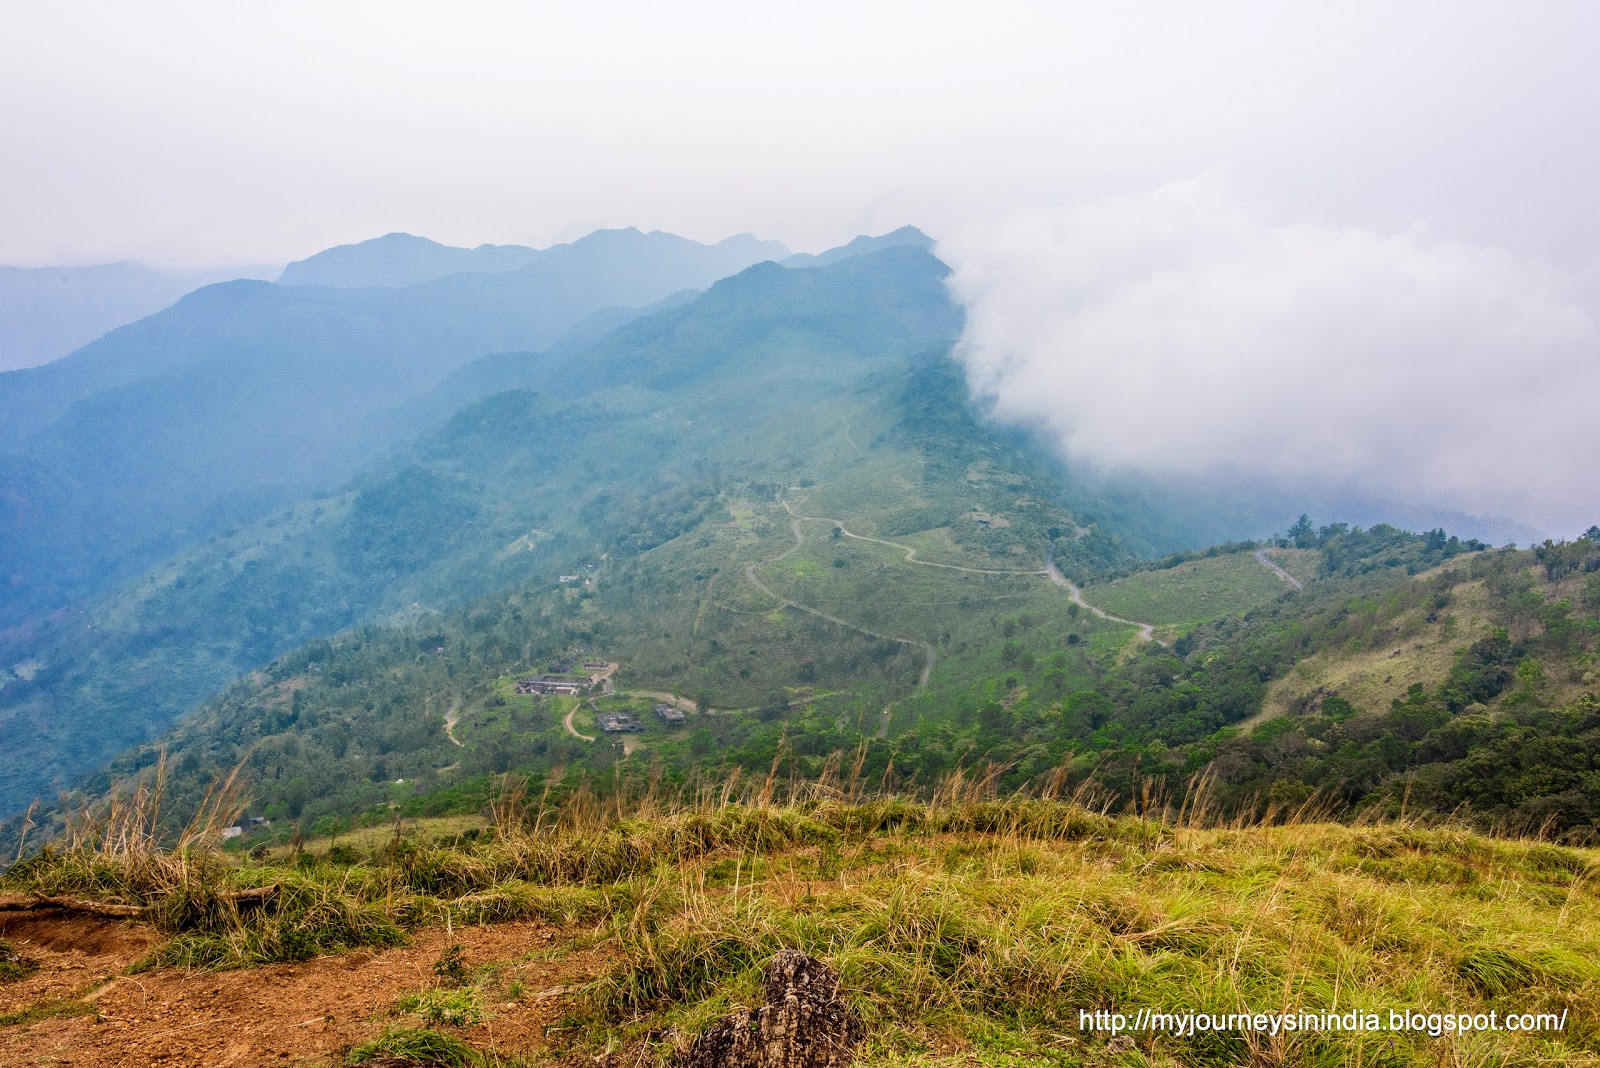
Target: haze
<point>1353,244</point>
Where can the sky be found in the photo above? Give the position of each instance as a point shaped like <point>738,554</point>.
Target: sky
<point>1356,240</point>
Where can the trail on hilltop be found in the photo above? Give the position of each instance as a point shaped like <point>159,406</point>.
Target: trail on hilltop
<point>917,643</point>
<point>1147,632</point>
<point>1261,554</point>
<point>1050,571</point>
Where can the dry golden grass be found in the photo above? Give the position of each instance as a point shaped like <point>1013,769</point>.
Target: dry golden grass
<point>965,923</point>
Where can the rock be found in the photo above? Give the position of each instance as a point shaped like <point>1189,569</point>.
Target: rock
<point>804,1023</point>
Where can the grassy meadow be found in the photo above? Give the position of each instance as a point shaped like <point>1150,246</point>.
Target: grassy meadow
<point>968,927</point>
<point>1191,592</point>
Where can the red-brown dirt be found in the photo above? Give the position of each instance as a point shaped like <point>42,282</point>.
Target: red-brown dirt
<point>278,1014</point>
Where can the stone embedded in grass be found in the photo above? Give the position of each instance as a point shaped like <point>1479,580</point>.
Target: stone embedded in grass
<point>804,1023</point>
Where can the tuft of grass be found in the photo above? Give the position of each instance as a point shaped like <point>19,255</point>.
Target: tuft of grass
<point>48,1010</point>
<point>451,967</point>
<point>418,1045</point>
<point>310,918</point>
<point>13,965</point>
<point>445,1006</point>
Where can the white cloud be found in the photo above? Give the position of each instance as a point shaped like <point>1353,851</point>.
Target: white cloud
<point>1184,331</point>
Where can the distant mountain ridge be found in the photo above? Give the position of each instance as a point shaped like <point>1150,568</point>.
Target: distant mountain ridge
<point>244,395</point>
<point>401,259</point>
<point>431,521</point>
<point>907,236</point>
<point>47,312</point>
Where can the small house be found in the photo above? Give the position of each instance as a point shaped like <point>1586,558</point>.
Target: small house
<point>619,723</point>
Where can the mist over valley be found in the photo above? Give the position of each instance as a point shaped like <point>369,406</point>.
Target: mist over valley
<point>720,537</point>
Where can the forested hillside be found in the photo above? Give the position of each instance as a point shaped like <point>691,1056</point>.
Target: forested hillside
<point>777,508</point>
<point>524,483</point>
<point>245,396</point>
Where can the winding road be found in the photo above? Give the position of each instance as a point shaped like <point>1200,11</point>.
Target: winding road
<point>567,723</point>
<point>799,540</point>
<point>1147,632</point>
<point>451,718</point>
<point>1261,554</point>
<point>911,553</point>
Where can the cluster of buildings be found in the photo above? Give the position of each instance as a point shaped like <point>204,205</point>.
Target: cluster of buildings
<point>565,685</point>
<point>560,679</point>
<point>563,678</point>
<point>625,723</point>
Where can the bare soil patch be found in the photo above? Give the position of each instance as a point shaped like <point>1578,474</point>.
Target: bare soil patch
<point>85,1012</point>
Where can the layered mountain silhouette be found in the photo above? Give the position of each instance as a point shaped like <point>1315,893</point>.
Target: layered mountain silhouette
<point>246,394</point>
<point>47,312</point>
<point>405,260</point>
<point>908,236</point>
<point>569,436</point>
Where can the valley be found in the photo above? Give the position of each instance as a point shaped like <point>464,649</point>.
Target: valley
<point>736,623</point>
<point>776,504</point>
<point>514,554</point>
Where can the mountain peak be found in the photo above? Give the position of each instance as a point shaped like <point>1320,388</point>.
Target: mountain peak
<point>400,259</point>
<point>905,236</point>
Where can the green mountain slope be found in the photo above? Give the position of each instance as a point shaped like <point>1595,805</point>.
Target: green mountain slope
<point>778,503</point>
<point>741,385</point>
<point>245,396</point>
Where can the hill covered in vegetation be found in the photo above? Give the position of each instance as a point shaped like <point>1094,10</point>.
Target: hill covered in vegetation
<point>245,396</point>
<point>776,508</point>
<point>524,480</point>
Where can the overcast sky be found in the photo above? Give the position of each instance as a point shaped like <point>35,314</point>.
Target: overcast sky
<point>1214,208</point>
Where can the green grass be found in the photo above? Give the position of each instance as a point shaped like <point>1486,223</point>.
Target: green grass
<point>420,1045</point>
<point>1005,938</point>
<point>964,921</point>
<point>54,1008</point>
<point>13,964</point>
<point>445,1007</point>
<point>1190,593</point>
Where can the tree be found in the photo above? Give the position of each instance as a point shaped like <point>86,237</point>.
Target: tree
<point>1303,534</point>
<point>1592,534</point>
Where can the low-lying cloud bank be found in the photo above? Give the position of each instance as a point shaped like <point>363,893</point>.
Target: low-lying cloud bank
<point>1183,332</point>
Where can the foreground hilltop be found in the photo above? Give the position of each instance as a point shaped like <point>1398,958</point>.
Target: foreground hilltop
<point>966,929</point>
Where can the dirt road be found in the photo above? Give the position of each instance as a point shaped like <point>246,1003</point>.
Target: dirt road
<point>1147,632</point>
<point>917,643</point>
<point>1261,554</point>
<point>911,553</point>
<point>567,723</point>
<point>451,718</point>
